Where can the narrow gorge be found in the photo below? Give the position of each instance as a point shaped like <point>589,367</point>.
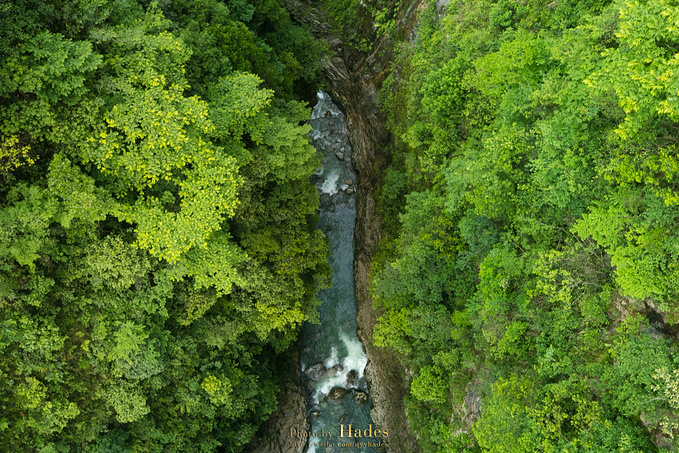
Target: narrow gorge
<point>353,79</point>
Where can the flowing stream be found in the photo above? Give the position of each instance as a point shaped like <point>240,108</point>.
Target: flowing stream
<point>333,358</point>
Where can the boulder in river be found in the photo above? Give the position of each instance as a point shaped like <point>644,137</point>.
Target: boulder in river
<point>348,181</point>
<point>315,372</point>
<point>315,410</point>
<point>360,397</point>
<point>340,156</point>
<point>337,393</point>
<point>334,370</point>
<point>352,377</point>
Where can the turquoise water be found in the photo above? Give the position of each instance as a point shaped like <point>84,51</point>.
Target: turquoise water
<point>333,359</point>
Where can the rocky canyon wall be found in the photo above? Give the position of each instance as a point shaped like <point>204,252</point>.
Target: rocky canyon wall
<point>353,79</point>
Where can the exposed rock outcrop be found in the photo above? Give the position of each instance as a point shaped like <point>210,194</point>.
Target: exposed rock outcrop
<point>354,79</point>
<point>360,397</point>
<point>337,393</point>
<point>472,403</point>
<point>352,378</point>
<point>315,372</point>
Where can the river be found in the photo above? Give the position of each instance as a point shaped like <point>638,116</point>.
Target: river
<point>333,359</point>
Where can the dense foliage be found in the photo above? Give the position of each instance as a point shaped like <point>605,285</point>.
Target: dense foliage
<point>157,240</point>
<point>531,203</point>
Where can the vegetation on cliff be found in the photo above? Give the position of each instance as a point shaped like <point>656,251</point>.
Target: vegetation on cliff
<point>157,241</point>
<point>531,204</point>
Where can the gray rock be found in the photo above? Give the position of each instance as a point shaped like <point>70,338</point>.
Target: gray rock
<point>348,182</point>
<point>352,377</point>
<point>340,156</point>
<point>315,372</point>
<point>471,407</point>
<point>440,5</point>
<point>349,190</point>
<point>333,371</point>
<point>315,410</point>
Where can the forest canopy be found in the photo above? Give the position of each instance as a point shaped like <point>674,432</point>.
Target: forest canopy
<point>158,247</point>
<point>530,273</point>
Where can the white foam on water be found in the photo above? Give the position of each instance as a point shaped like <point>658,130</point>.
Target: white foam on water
<point>332,360</point>
<point>315,134</point>
<point>324,105</point>
<point>312,447</point>
<point>330,184</point>
<point>357,358</point>
<point>328,383</point>
<point>303,367</point>
<point>317,111</point>
<point>334,111</point>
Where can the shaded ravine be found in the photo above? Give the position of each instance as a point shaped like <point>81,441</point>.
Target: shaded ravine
<point>333,360</point>
<point>353,79</point>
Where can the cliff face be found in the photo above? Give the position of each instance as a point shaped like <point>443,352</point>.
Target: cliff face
<point>278,435</point>
<point>354,83</point>
<point>357,95</point>
<point>354,79</point>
